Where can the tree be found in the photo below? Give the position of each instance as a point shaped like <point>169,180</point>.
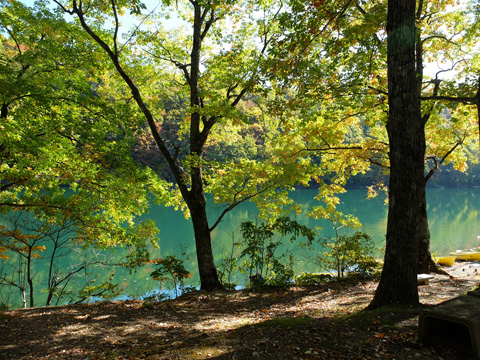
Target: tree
<point>215,79</point>
<point>27,247</point>
<point>73,161</point>
<point>440,37</point>
<point>398,283</point>
<point>443,35</point>
<point>28,242</point>
<point>357,55</point>
<point>450,39</point>
<point>356,60</point>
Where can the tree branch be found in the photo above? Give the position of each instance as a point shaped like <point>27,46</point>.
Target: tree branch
<point>428,113</point>
<point>437,164</point>
<point>209,22</point>
<point>238,202</point>
<point>173,163</point>
<point>115,33</point>
<point>138,26</point>
<point>461,99</point>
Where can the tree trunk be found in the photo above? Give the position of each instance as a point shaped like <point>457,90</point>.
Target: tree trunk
<point>398,283</point>
<point>29,277</point>
<point>424,256</point>
<point>206,266</point>
<point>49,297</point>
<point>4,111</point>
<point>24,297</point>
<point>425,262</point>
<point>198,136</point>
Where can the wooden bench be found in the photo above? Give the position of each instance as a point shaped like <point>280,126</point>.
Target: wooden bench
<point>454,324</point>
<point>424,279</point>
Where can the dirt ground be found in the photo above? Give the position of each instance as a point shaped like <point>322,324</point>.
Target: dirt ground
<point>322,322</point>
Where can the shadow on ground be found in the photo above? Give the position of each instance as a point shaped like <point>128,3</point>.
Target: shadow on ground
<point>326,322</point>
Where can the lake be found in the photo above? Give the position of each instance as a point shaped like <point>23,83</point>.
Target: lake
<point>454,216</point>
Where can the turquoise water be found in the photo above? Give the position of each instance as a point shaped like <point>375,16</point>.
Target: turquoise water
<point>454,216</point>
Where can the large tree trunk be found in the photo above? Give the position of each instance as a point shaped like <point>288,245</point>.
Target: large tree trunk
<point>206,266</point>
<point>197,205</point>
<point>424,257</point>
<point>425,262</point>
<point>398,283</point>
<point>198,136</point>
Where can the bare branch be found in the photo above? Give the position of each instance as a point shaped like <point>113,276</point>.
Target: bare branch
<point>428,113</point>
<point>240,201</point>
<point>138,27</point>
<point>364,13</point>
<point>64,9</point>
<point>438,163</point>
<point>178,64</point>
<point>115,33</point>
<point>461,99</point>
<point>209,22</point>
<point>17,44</point>
<point>451,68</point>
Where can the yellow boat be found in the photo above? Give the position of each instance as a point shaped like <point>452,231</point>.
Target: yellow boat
<point>446,260</point>
<point>467,255</point>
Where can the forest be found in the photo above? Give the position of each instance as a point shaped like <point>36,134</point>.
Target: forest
<point>106,105</point>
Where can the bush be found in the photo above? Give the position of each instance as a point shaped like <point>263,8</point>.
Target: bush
<point>171,269</point>
<point>260,259</point>
<point>349,254</point>
<point>309,279</point>
<point>3,307</point>
<point>229,265</point>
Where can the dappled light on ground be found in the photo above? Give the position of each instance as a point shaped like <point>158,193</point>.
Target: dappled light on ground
<point>322,322</point>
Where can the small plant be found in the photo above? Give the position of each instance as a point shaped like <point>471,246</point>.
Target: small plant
<point>171,269</point>
<point>155,296</point>
<point>3,306</point>
<point>106,291</point>
<point>280,274</point>
<point>227,267</point>
<point>260,261</point>
<point>148,304</point>
<point>349,254</point>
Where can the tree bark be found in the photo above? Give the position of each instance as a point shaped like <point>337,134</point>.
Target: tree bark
<point>4,111</point>
<point>29,276</point>
<point>206,267</point>
<point>398,282</point>
<point>195,199</point>
<point>424,256</point>
<point>425,262</point>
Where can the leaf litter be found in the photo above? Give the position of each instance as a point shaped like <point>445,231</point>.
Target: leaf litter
<point>304,323</point>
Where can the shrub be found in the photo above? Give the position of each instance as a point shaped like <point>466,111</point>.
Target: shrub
<point>259,251</point>
<point>308,279</point>
<point>3,307</point>
<point>171,269</point>
<point>229,265</point>
<point>349,254</point>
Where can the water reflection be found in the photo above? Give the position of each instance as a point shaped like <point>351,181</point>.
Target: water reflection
<point>454,219</point>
